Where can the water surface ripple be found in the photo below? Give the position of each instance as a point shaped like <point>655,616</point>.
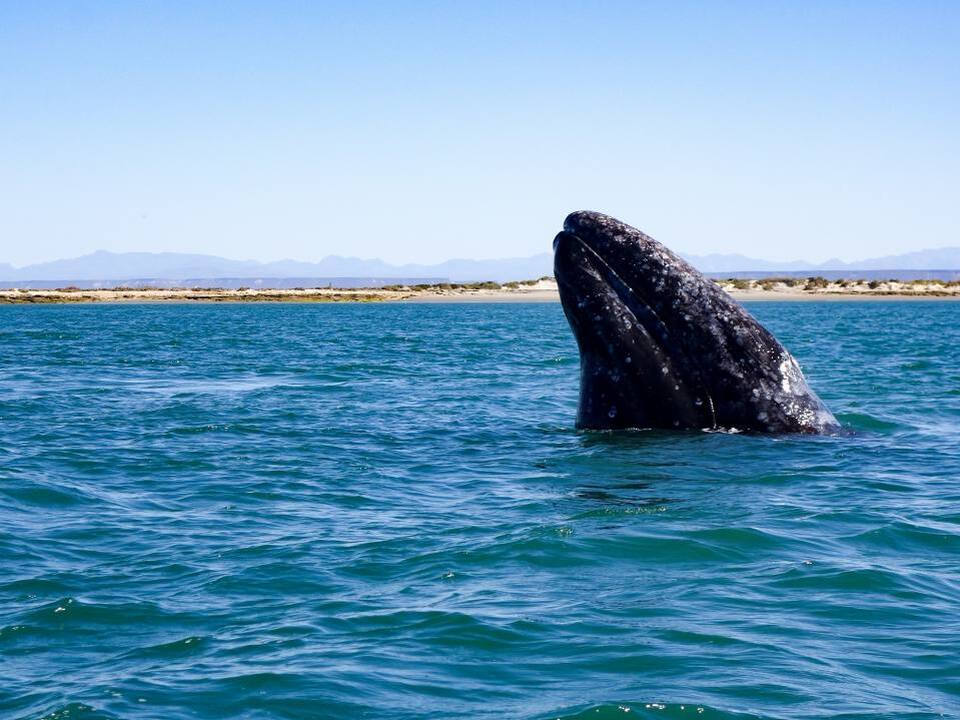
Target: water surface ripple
<point>372,511</point>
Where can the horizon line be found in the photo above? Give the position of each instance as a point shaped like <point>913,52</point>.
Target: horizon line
<point>683,254</point>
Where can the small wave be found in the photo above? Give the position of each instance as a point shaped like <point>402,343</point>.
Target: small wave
<point>867,580</point>
<point>745,540</point>
<point>77,711</point>
<point>622,510</point>
<point>175,648</point>
<point>172,386</point>
<point>46,496</point>
<point>901,535</point>
<point>864,422</point>
<point>661,710</point>
<point>70,610</point>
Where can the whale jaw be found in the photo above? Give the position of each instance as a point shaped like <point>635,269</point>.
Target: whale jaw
<point>661,346</point>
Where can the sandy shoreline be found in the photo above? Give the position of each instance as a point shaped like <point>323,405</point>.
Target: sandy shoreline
<point>543,290</point>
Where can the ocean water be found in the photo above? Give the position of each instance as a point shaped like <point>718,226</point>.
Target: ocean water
<point>383,511</point>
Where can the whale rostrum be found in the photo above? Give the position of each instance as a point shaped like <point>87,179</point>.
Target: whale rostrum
<point>662,346</point>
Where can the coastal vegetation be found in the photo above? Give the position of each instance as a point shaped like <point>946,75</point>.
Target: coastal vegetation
<point>817,285</point>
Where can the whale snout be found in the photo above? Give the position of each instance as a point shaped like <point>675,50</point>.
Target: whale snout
<point>634,257</point>
<point>563,237</point>
<point>583,220</point>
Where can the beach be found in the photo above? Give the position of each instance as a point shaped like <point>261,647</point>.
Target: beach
<point>542,290</point>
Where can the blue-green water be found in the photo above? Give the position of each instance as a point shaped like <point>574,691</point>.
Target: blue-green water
<point>383,511</point>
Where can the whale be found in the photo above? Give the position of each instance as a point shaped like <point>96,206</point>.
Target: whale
<point>663,346</point>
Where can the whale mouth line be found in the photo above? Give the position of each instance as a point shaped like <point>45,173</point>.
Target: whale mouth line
<point>627,295</point>
<point>638,305</point>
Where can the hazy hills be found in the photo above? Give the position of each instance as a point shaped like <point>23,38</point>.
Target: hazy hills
<point>107,266</point>
<point>104,265</point>
<point>935,259</point>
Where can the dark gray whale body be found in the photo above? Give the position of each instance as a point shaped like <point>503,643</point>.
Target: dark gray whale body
<point>661,346</point>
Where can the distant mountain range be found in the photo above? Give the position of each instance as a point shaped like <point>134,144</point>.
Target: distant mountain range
<point>103,266</point>
<point>936,259</point>
<point>106,267</point>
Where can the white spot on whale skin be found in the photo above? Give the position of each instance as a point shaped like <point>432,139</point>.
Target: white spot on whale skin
<point>788,371</point>
<point>612,413</point>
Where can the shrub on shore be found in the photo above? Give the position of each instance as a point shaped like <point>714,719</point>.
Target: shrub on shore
<point>486,285</point>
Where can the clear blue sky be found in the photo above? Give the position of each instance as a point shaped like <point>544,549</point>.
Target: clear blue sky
<point>424,131</point>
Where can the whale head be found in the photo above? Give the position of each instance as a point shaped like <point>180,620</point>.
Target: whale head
<point>662,346</point>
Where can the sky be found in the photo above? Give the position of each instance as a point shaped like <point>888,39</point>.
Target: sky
<point>423,131</point>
